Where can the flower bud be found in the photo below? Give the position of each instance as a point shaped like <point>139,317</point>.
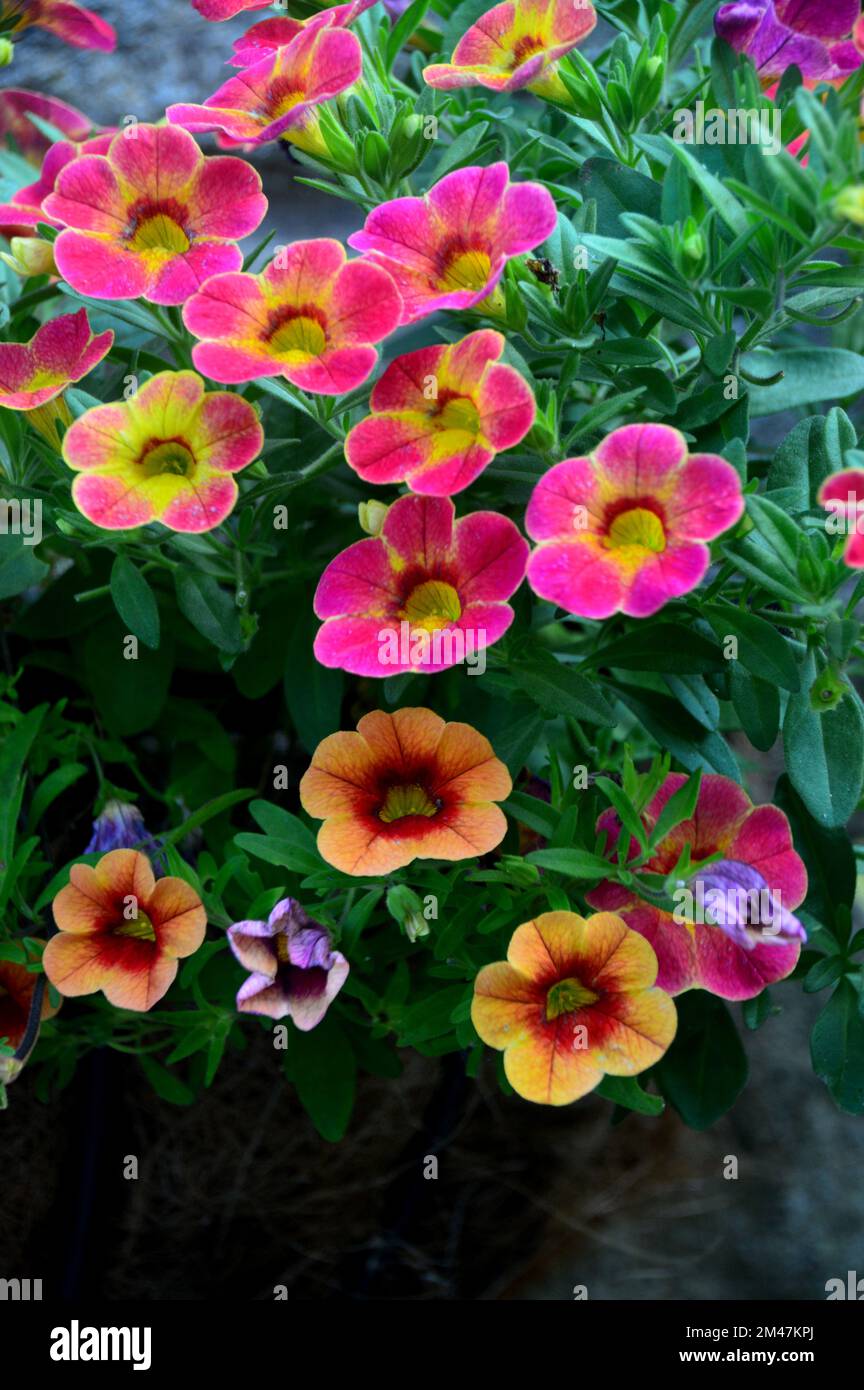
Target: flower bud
<point>371,516</point>
<point>7,52</point>
<point>30,255</point>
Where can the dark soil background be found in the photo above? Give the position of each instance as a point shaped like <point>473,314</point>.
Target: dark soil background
<point>237,1195</point>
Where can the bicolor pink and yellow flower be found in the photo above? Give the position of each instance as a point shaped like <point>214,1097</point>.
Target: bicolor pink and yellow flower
<point>814,35</point>
<point>61,352</point>
<point>517,44</point>
<point>276,97</point>
<point>842,495</point>
<point>448,249</point>
<point>624,529</point>
<point>440,415</point>
<point>384,599</point>
<point>167,454</point>
<point>405,786</point>
<point>705,955</point>
<point>152,217</point>
<point>311,316</point>
<point>268,35</point>
<point>25,209</point>
<point>575,1001</point>
<point>69,21</point>
<point>17,104</point>
<point>121,932</point>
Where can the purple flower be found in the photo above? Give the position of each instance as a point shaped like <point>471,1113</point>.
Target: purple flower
<point>812,34</point>
<point>396,8</point>
<point>119,825</point>
<point>735,897</point>
<point>293,969</point>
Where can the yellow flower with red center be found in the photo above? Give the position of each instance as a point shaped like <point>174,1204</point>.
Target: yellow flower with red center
<point>517,45</point>
<point>121,931</point>
<point>166,454</point>
<point>405,786</point>
<point>574,1001</point>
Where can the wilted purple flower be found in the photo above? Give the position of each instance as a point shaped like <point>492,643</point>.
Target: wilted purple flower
<point>812,34</point>
<point>293,969</point>
<point>119,825</point>
<point>735,897</point>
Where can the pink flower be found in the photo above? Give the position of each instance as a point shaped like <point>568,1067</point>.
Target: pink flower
<point>311,316</point>
<point>811,34</point>
<point>152,217</point>
<point>70,22</point>
<point>25,210</point>
<point>220,10</point>
<point>423,593</point>
<point>439,416</point>
<point>516,45</point>
<point>265,37</point>
<point>448,249</point>
<point>62,351</point>
<point>277,96</point>
<point>694,954</point>
<point>843,496</point>
<point>166,454</point>
<point>294,970</point>
<point>16,106</point>
<point>624,529</point>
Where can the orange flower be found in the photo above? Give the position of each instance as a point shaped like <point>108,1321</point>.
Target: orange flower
<point>574,1001</point>
<point>17,984</point>
<point>121,931</point>
<point>405,786</point>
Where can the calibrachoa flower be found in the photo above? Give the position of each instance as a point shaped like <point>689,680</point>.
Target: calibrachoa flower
<point>153,217</point>
<point>310,316</point>
<point>843,496</point>
<point>17,985</point>
<point>277,96</point>
<point>63,350</point>
<point>574,1001</point>
<point>703,954</point>
<point>423,594</point>
<point>121,931</point>
<point>72,23</point>
<point>294,970</point>
<point>623,530</point>
<point>263,39</point>
<point>219,10</point>
<point>439,416</point>
<point>16,106</point>
<point>166,454</point>
<point>516,45</point>
<point>25,208</point>
<point>812,34</point>
<point>448,249</point>
<point>405,786</point>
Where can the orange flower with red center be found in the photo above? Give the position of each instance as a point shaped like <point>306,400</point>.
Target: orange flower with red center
<point>405,786</point>
<point>121,931</point>
<point>574,1001</point>
<point>17,985</point>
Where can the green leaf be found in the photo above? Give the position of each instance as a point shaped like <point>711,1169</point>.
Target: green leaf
<point>283,853</point>
<point>758,1010</point>
<point>808,377</point>
<point>705,1069</point>
<point>14,751</point>
<point>560,689</point>
<point>828,856</point>
<point>19,567</point>
<point>325,1072</point>
<point>626,811</point>
<point>660,647</point>
<point>135,601</point>
<point>626,1091</point>
<point>574,863</point>
<point>837,1048</point>
<point>166,1084</point>
<point>824,753</point>
<point>757,705</point>
<point>680,807</point>
<point>616,190</point>
<point>51,787</point>
<point>129,692</point>
<point>813,450</point>
<point>313,692</point>
<point>209,609</point>
<point>431,1017</point>
<point>822,973</point>
<point>531,811</point>
<point>760,647</point>
<point>216,807</point>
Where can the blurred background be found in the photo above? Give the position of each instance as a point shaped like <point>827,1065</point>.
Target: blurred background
<point>237,1196</point>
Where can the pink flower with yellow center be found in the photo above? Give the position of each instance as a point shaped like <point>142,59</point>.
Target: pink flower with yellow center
<point>276,97</point>
<point>574,1001</point>
<point>440,415</point>
<point>25,209</point>
<point>624,529</point>
<point>448,249</point>
<point>693,954</point>
<point>405,786</point>
<point>166,454</point>
<point>121,931</point>
<point>61,352</point>
<point>153,217</point>
<point>72,23</point>
<point>516,45</point>
<point>383,600</point>
<point>265,37</point>
<point>843,496</point>
<point>310,316</point>
<point>17,104</point>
